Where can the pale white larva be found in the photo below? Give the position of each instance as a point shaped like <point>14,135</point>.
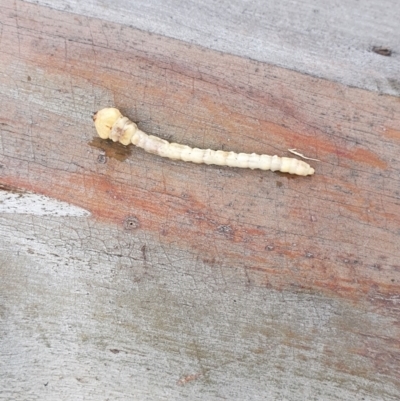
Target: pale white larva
<point>110,123</point>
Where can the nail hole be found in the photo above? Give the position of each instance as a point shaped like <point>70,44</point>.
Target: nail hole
<point>102,159</point>
<point>131,223</point>
<point>115,351</point>
<point>383,51</point>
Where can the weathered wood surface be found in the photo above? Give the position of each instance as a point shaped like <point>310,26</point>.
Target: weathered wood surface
<point>334,41</point>
<point>187,281</point>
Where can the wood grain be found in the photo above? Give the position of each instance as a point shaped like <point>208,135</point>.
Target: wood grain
<point>339,42</point>
<point>332,237</point>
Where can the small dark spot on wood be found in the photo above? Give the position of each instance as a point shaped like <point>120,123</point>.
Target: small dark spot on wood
<point>115,351</point>
<point>225,230</point>
<point>143,249</point>
<point>29,78</point>
<point>279,184</point>
<point>131,223</point>
<point>383,51</point>
<point>209,261</point>
<point>102,159</point>
<point>45,384</point>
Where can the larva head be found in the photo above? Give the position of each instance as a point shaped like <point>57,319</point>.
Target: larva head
<point>104,120</point>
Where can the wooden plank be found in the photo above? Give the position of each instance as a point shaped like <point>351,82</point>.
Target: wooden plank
<point>192,281</point>
<point>339,42</point>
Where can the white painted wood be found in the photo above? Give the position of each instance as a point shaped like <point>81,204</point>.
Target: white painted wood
<point>39,205</point>
<point>328,39</point>
<point>83,325</point>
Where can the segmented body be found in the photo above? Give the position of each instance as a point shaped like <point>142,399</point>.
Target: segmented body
<point>111,124</point>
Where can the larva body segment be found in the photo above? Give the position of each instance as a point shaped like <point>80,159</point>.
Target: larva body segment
<point>111,124</point>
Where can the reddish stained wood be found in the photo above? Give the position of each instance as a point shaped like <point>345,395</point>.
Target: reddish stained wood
<point>334,232</point>
<point>391,133</point>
